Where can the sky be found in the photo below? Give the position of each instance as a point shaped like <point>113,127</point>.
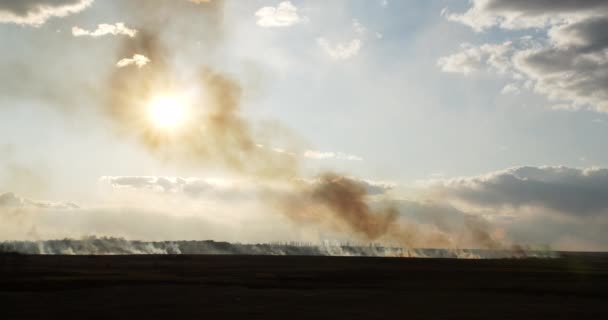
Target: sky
<point>437,123</point>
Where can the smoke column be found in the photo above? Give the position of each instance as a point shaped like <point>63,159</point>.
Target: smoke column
<point>216,133</point>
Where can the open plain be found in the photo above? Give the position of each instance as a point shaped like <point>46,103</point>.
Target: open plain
<point>574,286</point>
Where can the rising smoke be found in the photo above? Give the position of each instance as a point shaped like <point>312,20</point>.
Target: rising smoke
<point>117,246</point>
<point>217,133</point>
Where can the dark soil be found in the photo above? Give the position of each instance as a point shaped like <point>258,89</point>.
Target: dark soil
<point>296,287</point>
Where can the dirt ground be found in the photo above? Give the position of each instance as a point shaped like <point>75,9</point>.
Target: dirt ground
<point>296,287</point>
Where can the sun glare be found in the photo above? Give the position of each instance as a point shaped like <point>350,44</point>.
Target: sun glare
<point>167,112</point>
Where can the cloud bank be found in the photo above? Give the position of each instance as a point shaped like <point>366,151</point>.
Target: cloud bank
<point>37,12</point>
<point>572,191</point>
<point>548,206</point>
<point>10,200</point>
<point>569,65</point>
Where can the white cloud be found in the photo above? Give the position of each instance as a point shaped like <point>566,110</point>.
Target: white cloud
<point>473,58</point>
<point>569,65</point>
<point>11,200</point>
<point>105,29</point>
<point>138,60</point>
<point>283,15</point>
<point>510,88</point>
<point>188,186</point>
<point>340,51</point>
<point>37,12</point>
<point>314,154</point>
<point>358,27</point>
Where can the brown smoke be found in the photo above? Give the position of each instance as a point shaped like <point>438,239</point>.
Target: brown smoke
<point>347,199</point>
<point>343,204</point>
<point>219,134</point>
<point>216,133</point>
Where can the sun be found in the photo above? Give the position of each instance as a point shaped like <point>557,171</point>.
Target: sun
<point>167,111</point>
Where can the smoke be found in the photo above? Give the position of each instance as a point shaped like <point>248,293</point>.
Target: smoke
<point>107,246</point>
<point>216,133</point>
<point>345,205</point>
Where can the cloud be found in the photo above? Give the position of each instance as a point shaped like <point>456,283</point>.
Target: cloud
<point>568,65</point>
<point>214,187</point>
<point>474,58</point>
<point>195,188</point>
<point>283,15</point>
<point>376,187</point>
<point>510,88</point>
<point>37,12</point>
<point>105,29</point>
<point>340,51</point>
<point>161,184</point>
<point>314,154</point>
<point>571,191</point>
<point>10,200</point>
<point>522,14</point>
<point>138,59</point>
<point>358,27</point>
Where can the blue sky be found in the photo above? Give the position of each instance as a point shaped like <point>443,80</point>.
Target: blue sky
<point>406,93</point>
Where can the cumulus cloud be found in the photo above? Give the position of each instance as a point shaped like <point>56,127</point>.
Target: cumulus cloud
<point>473,58</point>
<point>105,29</point>
<point>138,59</point>
<point>568,65</point>
<point>571,191</point>
<point>315,154</point>
<point>37,12</point>
<point>340,51</point>
<point>285,14</point>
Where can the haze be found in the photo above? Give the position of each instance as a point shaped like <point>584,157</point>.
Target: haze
<point>435,124</point>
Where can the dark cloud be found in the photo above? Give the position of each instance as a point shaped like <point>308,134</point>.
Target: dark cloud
<point>585,36</point>
<point>542,7</point>
<point>570,66</point>
<point>36,12</point>
<point>578,192</point>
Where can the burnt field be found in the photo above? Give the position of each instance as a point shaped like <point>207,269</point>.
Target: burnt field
<point>574,286</point>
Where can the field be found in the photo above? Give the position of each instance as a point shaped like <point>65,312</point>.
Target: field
<point>574,286</point>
